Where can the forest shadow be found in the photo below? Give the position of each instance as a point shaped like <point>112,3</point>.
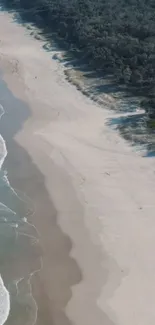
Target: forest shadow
<point>136,130</point>
<point>96,82</point>
<point>91,82</point>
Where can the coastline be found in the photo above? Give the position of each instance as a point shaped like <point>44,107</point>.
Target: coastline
<point>93,194</point>
<point>26,179</point>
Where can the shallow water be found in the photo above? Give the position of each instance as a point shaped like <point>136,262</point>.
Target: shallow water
<point>20,256</point>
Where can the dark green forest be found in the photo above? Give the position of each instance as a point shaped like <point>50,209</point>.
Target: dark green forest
<point>114,36</point>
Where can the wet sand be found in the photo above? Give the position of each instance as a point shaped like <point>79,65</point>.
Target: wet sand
<point>59,271</point>
<point>93,195</point>
<point>31,172</point>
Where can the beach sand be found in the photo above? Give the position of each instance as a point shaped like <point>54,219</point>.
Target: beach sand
<point>93,195</point>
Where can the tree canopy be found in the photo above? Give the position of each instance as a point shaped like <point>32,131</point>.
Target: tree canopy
<point>116,36</point>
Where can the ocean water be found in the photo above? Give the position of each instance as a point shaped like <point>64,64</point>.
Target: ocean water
<point>20,257</point>
<point>4,294</point>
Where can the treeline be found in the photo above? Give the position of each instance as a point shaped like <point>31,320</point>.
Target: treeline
<point>115,36</point>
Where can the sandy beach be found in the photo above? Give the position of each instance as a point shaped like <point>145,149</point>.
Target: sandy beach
<point>93,194</point>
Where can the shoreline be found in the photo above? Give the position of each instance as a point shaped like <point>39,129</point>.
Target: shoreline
<point>95,215</point>
<point>17,156</point>
<point>18,178</point>
<point>66,270</point>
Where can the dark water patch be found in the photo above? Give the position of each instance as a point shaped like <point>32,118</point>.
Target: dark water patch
<point>150,154</point>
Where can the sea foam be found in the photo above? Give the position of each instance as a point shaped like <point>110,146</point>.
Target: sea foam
<point>4,303</point>
<point>4,294</point>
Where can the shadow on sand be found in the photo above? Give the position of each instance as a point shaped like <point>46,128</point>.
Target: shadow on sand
<point>136,130</point>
